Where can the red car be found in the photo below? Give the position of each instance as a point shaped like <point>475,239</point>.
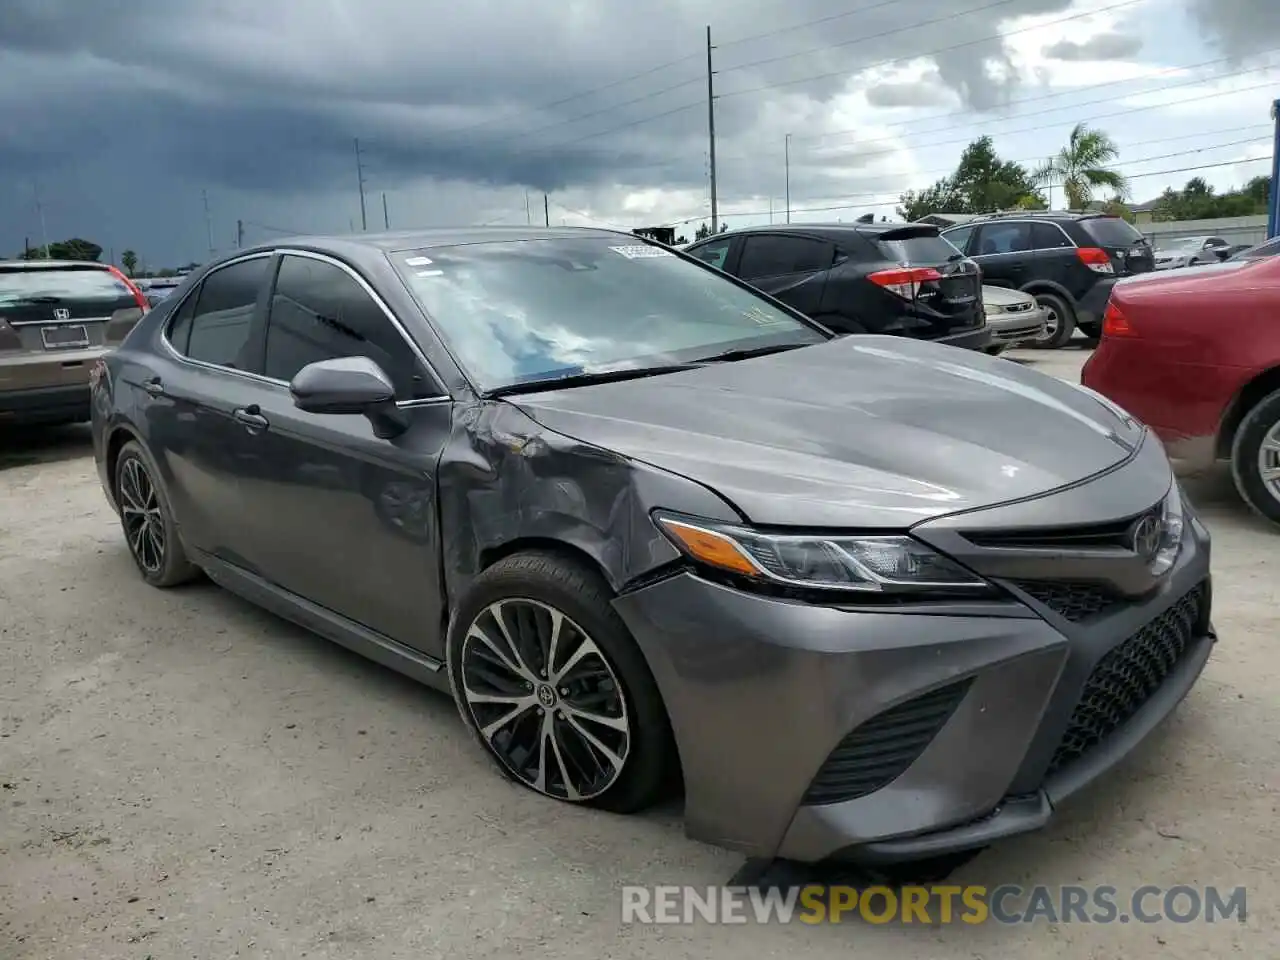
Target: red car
<point>1195,354</point>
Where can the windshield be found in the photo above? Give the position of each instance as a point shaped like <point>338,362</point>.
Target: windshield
<point>516,312</point>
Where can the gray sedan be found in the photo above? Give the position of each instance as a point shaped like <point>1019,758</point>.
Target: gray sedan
<point>862,597</point>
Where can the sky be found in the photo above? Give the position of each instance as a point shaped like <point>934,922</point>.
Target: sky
<point>158,126</point>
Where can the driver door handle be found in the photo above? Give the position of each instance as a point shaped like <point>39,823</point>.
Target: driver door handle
<point>154,386</point>
<point>251,416</point>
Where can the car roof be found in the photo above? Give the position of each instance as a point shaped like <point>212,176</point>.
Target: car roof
<point>826,230</point>
<point>393,241</point>
<point>51,264</point>
<point>1039,215</point>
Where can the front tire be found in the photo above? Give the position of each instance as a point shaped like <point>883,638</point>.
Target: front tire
<point>549,681</point>
<point>147,519</point>
<point>1255,458</point>
<point>1060,322</point>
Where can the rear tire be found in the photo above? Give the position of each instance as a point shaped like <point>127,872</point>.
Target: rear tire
<point>146,516</point>
<point>589,728</point>
<point>1255,458</point>
<point>1061,321</point>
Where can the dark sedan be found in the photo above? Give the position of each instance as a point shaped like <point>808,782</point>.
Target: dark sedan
<point>864,597</point>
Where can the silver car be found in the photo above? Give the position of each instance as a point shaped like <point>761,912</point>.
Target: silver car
<point>1012,317</point>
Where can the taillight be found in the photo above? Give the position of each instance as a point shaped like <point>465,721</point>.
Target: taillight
<point>138,295</point>
<point>904,281</point>
<point>1115,323</point>
<point>1096,259</point>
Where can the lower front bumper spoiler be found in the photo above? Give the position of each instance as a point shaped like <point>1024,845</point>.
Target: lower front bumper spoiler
<point>1028,813</point>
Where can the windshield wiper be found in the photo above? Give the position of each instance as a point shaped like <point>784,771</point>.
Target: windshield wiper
<point>582,379</point>
<point>746,353</point>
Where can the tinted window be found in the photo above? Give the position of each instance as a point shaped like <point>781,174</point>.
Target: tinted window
<point>223,316</point>
<point>928,249</point>
<point>959,237</point>
<point>1047,236</point>
<point>319,312</point>
<point>180,325</point>
<point>772,256</point>
<point>1004,238</point>
<point>85,283</point>
<point>521,311</point>
<point>1111,231</point>
<point>714,252</point>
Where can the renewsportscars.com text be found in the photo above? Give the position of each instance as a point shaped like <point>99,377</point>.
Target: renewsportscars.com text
<point>940,904</point>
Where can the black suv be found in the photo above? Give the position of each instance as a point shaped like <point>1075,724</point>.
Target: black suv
<point>1067,261</point>
<point>892,278</point>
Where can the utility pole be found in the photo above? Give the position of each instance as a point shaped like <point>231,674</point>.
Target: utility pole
<point>528,217</point>
<point>208,220</point>
<point>364,222</point>
<point>771,209</point>
<point>711,134</point>
<point>546,211</point>
<point>386,218</point>
<point>44,232</point>
<point>239,234</point>
<point>787,148</point>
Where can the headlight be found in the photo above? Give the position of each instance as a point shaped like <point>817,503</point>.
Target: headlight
<point>1172,521</point>
<point>877,564</point>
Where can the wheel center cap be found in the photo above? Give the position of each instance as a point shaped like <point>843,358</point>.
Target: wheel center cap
<point>546,695</point>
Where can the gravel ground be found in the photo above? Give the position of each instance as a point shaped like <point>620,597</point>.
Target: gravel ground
<point>185,776</point>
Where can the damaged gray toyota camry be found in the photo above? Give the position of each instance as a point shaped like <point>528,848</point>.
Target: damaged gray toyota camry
<point>862,598</point>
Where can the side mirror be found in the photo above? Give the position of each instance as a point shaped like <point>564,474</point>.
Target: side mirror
<point>349,385</point>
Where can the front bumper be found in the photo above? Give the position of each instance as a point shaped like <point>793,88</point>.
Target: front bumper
<point>1016,327</point>
<point>766,695</point>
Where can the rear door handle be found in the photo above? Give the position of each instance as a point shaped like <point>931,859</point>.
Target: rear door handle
<point>153,386</point>
<point>251,417</point>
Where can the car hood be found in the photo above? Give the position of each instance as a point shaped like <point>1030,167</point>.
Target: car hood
<point>1003,296</point>
<point>863,431</point>
<point>1189,276</point>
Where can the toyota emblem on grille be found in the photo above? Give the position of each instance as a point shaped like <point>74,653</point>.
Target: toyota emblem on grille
<point>62,313</point>
<point>1146,536</point>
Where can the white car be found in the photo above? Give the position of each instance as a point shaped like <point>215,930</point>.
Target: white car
<point>1012,317</point>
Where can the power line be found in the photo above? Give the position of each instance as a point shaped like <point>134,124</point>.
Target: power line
<point>956,46</point>
<point>889,200</point>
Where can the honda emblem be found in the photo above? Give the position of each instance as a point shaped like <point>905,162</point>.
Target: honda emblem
<point>62,313</point>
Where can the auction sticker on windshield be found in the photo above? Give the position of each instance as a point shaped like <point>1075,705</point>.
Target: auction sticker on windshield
<point>641,251</point>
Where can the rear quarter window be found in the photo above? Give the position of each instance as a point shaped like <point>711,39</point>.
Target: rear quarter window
<point>1111,232</point>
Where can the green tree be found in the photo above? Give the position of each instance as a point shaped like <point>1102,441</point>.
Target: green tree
<point>1197,200</point>
<point>130,261</point>
<point>73,249</point>
<point>982,183</point>
<point>1080,167</point>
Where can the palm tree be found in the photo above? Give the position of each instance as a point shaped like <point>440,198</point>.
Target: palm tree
<point>130,261</point>
<point>1079,167</point>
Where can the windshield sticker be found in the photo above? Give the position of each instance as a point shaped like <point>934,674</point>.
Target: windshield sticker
<point>641,251</point>
<point>429,273</point>
<point>418,262</point>
<point>765,319</point>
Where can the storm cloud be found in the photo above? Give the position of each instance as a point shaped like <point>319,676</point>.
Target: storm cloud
<point>121,116</point>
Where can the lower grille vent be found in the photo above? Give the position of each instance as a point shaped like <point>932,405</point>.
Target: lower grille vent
<point>1071,601</point>
<point>1127,676</point>
<point>879,751</point>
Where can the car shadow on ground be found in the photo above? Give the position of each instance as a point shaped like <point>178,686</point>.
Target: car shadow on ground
<point>22,446</point>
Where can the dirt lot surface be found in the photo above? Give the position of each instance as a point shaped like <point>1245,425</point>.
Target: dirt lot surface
<point>185,776</point>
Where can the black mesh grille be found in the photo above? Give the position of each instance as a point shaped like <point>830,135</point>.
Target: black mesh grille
<point>1126,677</point>
<point>878,751</point>
<point>1071,601</point>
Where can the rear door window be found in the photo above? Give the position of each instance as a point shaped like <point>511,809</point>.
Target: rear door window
<point>1111,232</point>
<point>770,255</point>
<point>1004,238</point>
<point>222,320</point>
<point>1049,236</point>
